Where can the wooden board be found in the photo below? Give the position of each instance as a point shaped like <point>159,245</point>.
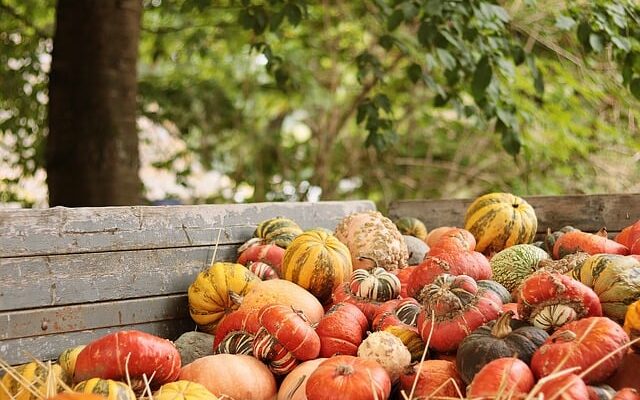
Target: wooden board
<point>586,212</point>
<point>62,230</point>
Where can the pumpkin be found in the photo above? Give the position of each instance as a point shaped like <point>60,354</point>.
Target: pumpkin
<point>626,374</point>
<point>373,241</point>
<point>434,235</point>
<point>67,359</point>
<point>141,353</point>
<point>294,385</point>
<point>236,332</point>
<point>388,350</point>
<point>76,396</point>
<point>500,220</point>
<point>551,237</point>
<point>436,378</point>
<point>412,226</point>
<point>318,262</point>
<point>46,380</point>
<point>269,254</point>
<point>399,317</point>
<point>581,344</point>
<point>630,237</point>
<point>404,275</point>
<point>503,377</point>
<point>348,377</point>
<point>454,306</point>
<point>496,288</point>
<point>632,323</point>
<point>615,279</point>
<point>226,375</point>
<point>626,394</point>
<point>262,270</point>
<point>417,249</point>
<point>512,265</point>
<point>505,337</point>
<point>210,297</point>
<point>341,330</point>
<point>600,392</point>
<point>184,390</point>
<point>112,390</point>
<point>280,291</point>
<point>549,300</point>
<point>591,243</point>
<point>368,290</point>
<point>279,231</point>
<point>194,344</point>
<point>568,386</point>
<point>284,338</point>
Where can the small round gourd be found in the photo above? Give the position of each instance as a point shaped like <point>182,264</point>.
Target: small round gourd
<point>412,226</point>
<point>112,390</point>
<point>67,359</point>
<point>184,390</point>
<point>513,264</point>
<point>377,284</point>
<point>388,350</point>
<point>279,231</point>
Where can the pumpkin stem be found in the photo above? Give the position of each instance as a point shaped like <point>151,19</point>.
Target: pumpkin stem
<point>565,336</point>
<point>502,327</point>
<point>236,298</point>
<point>375,262</point>
<point>603,232</point>
<point>300,314</point>
<point>344,369</point>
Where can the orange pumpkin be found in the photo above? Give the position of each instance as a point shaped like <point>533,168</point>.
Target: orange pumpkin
<point>568,386</point>
<point>437,378</point>
<point>509,376</point>
<point>294,385</point>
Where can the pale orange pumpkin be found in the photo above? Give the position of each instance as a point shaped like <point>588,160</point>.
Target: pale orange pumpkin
<point>294,384</point>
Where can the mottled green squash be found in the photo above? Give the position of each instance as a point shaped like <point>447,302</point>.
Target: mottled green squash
<point>614,278</point>
<point>513,264</point>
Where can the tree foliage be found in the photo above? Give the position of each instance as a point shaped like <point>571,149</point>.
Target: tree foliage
<point>383,99</point>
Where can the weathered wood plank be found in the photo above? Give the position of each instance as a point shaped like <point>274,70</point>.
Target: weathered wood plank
<point>54,320</point>
<point>49,347</point>
<point>585,212</point>
<point>41,281</point>
<point>62,230</point>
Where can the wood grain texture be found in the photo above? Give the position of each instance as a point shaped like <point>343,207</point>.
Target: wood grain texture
<point>44,281</point>
<point>49,347</point>
<point>586,212</point>
<point>62,230</point>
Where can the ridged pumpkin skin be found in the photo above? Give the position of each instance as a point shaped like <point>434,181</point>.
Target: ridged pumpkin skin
<point>512,265</point>
<point>581,344</point>
<point>509,376</point>
<point>496,288</point>
<point>68,357</point>
<point>183,390</point>
<point>210,295</point>
<point>505,337</point>
<point>36,375</point>
<point>632,323</point>
<point>437,378</point>
<point>112,390</point>
<point>500,220</point>
<point>279,231</point>
<point>615,279</point>
<point>318,262</point>
<point>413,227</point>
<point>236,332</point>
<point>373,241</point>
<point>341,330</point>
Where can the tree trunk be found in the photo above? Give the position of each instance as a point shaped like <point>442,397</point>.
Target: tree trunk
<point>92,147</point>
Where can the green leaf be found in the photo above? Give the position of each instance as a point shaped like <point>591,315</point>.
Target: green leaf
<point>538,82</point>
<point>622,43</point>
<point>245,19</point>
<point>583,33</point>
<point>260,20</point>
<point>276,21</point>
<point>634,87</point>
<point>518,55</point>
<point>481,78</point>
<point>425,34</point>
<point>382,101</point>
<point>395,19</point>
<point>386,41</point>
<point>293,13</point>
<point>434,7</point>
<point>565,23</point>
<point>446,58</point>
<point>414,72</point>
<point>595,41</point>
<point>511,142</point>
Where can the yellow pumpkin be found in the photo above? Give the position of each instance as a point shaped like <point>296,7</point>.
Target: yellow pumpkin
<point>500,220</point>
<point>632,323</point>
<point>67,359</point>
<point>318,262</point>
<point>112,390</point>
<point>184,390</point>
<point>211,294</point>
<point>44,380</point>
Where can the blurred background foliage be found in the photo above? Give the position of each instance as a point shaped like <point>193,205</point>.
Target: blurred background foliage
<point>383,100</point>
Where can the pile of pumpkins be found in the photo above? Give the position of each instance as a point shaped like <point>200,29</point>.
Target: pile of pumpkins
<point>387,310</point>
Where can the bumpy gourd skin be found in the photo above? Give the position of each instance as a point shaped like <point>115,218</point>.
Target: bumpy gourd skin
<point>373,241</point>
<point>515,263</point>
<point>388,350</point>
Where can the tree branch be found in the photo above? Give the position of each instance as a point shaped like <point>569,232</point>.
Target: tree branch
<point>24,20</point>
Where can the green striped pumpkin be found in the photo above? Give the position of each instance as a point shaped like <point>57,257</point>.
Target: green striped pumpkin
<point>68,357</point>
<point>496,288</point>
<point>500,220</point>
<point>279,231</point>
<point>413,227</point>
<point>317,261</point>
<point>614,278</point>
<point>377,284</point>
<point>112,390</point>
<point>512,265</point>
<point>237,342</point>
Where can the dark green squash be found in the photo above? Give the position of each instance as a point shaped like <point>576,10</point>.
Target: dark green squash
<point>496,288</point>
<point>504,337</point>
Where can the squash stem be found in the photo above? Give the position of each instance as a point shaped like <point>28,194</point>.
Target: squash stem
<point>502,327</point>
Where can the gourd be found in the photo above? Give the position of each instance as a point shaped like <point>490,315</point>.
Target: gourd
<point>318,262</point>
<point>505,337</point>
<point>112,390</point>
<point>210,294</point>
<point>507,377</point>
<point>591,243</point>
<point>630,237</point>
<point>496,288</point>
<point>581,344</point>
<point>279,231</point>
<point>568,386</point>
<point>373,241</point>
<point>46,380</point>
<point>500,220</point>
<point>388,350</point>
<point>184,390</point>
<point>194,344</point>
<point>417,249</point>
<point>294,385</point>
<point>67,359</point>
<point>632,323</point>
<point>412,226</point>
<point>341,330</point>
<point>236,332</point>
<point>436,378</point>
<point>512,265</point>
<point>400,317</point>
